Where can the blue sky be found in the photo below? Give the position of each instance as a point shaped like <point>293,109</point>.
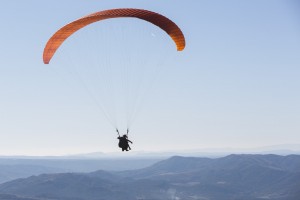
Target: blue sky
<point>235,85</point>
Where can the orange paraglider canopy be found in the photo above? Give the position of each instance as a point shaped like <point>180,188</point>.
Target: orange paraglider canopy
<point>159,20</point>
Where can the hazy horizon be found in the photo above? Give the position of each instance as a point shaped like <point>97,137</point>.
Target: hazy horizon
<point>279,149</point>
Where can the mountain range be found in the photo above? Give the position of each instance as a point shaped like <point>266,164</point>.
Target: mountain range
<point>244,177</point>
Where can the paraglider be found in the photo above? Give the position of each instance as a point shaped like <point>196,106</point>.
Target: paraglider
<point>160,21</point>
<point>124,141</point>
